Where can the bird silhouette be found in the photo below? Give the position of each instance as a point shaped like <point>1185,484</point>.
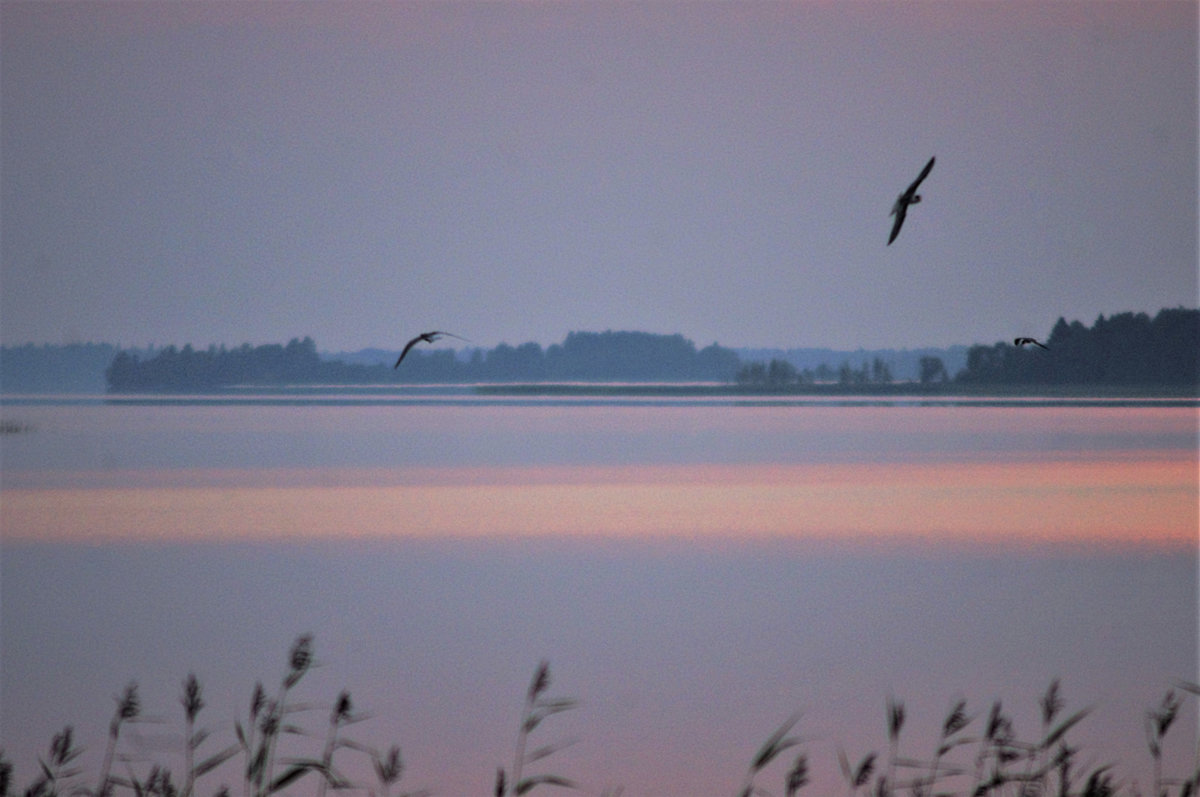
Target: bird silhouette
<point>424,337</point>
<point>1026,341</point>
<point>909,197</point>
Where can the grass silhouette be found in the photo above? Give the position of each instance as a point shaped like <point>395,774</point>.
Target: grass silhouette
<point>984,758</point>
<point>537,708</point>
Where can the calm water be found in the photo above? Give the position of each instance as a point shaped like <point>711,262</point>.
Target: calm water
<point>694,570</point>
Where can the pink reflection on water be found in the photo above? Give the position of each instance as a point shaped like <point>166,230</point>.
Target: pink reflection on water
<point>1139,498</point>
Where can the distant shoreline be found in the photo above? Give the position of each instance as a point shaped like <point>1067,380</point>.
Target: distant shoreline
<point>1124,355</point>
<point>655,389</point>
<point>874,390</point>
<point>649,393</point>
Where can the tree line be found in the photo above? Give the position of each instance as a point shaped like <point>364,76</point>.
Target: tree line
<point>70,368</point>
<point>582,356</point>
<point>186,368</point>
<point>779,372</point>
<point>1122,349</point>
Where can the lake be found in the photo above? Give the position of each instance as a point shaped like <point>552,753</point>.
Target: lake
<point>695,569</point>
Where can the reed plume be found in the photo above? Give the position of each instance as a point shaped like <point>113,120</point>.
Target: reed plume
<point>775,744</point>
<point>537,708</point>
<point>1004,765</point>
<point>128,708</point>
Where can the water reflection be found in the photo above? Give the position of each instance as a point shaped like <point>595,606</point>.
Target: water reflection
<point>696,572</point>
<point>1147,500</point>
<point>88,438</point>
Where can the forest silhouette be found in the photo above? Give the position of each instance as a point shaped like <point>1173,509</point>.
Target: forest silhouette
<point>1121,350</point>
<point>582,356</point>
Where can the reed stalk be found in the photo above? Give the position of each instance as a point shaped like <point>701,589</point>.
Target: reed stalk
<point>537,707</point>
<point>127,709</point>
<point>1051,763</point>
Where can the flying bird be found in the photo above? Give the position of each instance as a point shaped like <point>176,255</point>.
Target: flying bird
<point>1018,342</point>
<point>909,197</point>
<point>424,337</point>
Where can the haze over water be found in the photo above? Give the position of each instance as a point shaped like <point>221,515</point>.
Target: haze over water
<point>694,570</point>
<point>224,173</point>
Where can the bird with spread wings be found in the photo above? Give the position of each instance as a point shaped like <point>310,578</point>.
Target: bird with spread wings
<point>909,197</point>
<point>424,337</point>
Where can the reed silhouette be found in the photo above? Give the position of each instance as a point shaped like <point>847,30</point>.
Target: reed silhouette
<point>976,754</point>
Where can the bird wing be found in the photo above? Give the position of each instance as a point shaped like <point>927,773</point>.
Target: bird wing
<point>407,346</point>
<point>900,211</point>
<point>450,334</point>
<point>912,189</point>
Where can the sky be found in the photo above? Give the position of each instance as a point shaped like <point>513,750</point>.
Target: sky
<point>222,173</point>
